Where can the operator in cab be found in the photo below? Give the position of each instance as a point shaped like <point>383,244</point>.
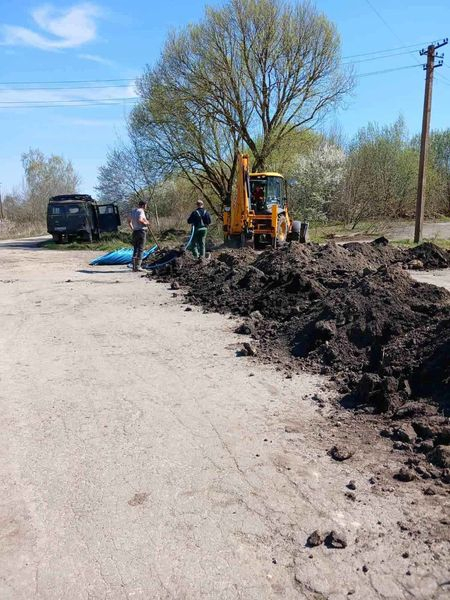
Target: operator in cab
<point>259,199</point>
<point>200,219</point>
<point>138,223</point>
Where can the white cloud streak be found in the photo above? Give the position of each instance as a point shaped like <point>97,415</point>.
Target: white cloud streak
<point>97,59</point>
<point>61,28</point>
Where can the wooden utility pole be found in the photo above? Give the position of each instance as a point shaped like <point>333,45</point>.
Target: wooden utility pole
<point>429,67</point>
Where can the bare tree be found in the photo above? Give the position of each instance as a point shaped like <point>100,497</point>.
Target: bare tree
<point>45,177</point>
<point>132,172</point>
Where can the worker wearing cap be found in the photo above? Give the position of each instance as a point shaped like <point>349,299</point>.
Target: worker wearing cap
<point>139,225</point>
<point>200,219</point>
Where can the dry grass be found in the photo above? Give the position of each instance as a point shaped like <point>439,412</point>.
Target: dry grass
<point>12,230</point>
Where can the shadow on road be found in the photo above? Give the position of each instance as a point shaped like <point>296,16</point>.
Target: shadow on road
<point>100,272</point>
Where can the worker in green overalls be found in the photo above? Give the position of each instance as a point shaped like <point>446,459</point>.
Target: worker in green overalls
<point>200,219</point>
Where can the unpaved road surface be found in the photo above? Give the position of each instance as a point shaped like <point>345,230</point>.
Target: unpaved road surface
<point>141,458</point>
<point>403,231</point>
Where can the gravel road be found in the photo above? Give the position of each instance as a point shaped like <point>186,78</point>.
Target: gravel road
<point>141,458</point>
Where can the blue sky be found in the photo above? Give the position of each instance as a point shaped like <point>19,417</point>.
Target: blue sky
<point>113,40</point>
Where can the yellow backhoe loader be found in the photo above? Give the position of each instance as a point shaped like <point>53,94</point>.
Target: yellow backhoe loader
<point>258,214</point>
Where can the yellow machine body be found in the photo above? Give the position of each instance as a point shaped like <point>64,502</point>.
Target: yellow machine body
<point>258,214</point>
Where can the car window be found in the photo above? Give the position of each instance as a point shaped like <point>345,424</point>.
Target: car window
<point>106,210</point>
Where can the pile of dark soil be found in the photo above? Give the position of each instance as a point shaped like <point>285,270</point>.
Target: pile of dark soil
<point>350,311</point>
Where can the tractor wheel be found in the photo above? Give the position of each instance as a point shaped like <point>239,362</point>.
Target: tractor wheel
<point>298,232</point>
<point>235,241</point>
<point>258,243</point>
<point>294,234</point>
<point>86,236</point>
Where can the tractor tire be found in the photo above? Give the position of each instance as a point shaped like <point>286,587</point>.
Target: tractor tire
<point>235,241</point>
<point>298,232</point>
<point>294,234</point>
<point>259,244</point>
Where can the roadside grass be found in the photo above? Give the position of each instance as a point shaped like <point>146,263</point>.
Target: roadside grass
<point>11,231</point>
<point>107,243</point>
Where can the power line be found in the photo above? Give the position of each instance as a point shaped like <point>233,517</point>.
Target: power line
<point>388,70</point>
<point>118,101</point>
<point>354,62</point>
<point>79,100</point>
<point>383,20</point>
<point>90,87</point>
<point>64,81</point>
<point>67,103</point>
<point>381,51</point>
<point>63,105</point>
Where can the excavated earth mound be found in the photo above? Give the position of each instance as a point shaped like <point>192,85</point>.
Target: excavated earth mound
<point>351,312</point>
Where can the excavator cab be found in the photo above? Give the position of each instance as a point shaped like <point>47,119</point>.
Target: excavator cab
<point>267,189</point>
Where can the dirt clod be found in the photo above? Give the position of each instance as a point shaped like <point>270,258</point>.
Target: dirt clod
<point>405,475</point>
<point>138,499</point>
<point>315,539</point>
<point>336,540</point>
<point>249,349</point>
<point>244,329</point>
<point>340,453</point>
<point>440,457</point>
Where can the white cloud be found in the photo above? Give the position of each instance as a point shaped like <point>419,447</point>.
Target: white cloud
<point>61,28</point>
<point>97,59</point>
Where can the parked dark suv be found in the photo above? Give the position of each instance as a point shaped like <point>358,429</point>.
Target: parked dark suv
<point>78,216</point>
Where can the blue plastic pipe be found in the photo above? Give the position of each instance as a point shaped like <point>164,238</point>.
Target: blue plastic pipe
<point>122,256</point>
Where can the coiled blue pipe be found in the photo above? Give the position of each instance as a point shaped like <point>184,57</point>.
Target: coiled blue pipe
<point>123,256</point>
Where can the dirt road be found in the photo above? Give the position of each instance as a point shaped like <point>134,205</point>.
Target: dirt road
<point>141,458</point>
<point>404,231</point>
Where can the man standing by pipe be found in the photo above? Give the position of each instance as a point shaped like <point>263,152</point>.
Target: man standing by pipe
<point>139,225</point>
<point>199,219</point>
